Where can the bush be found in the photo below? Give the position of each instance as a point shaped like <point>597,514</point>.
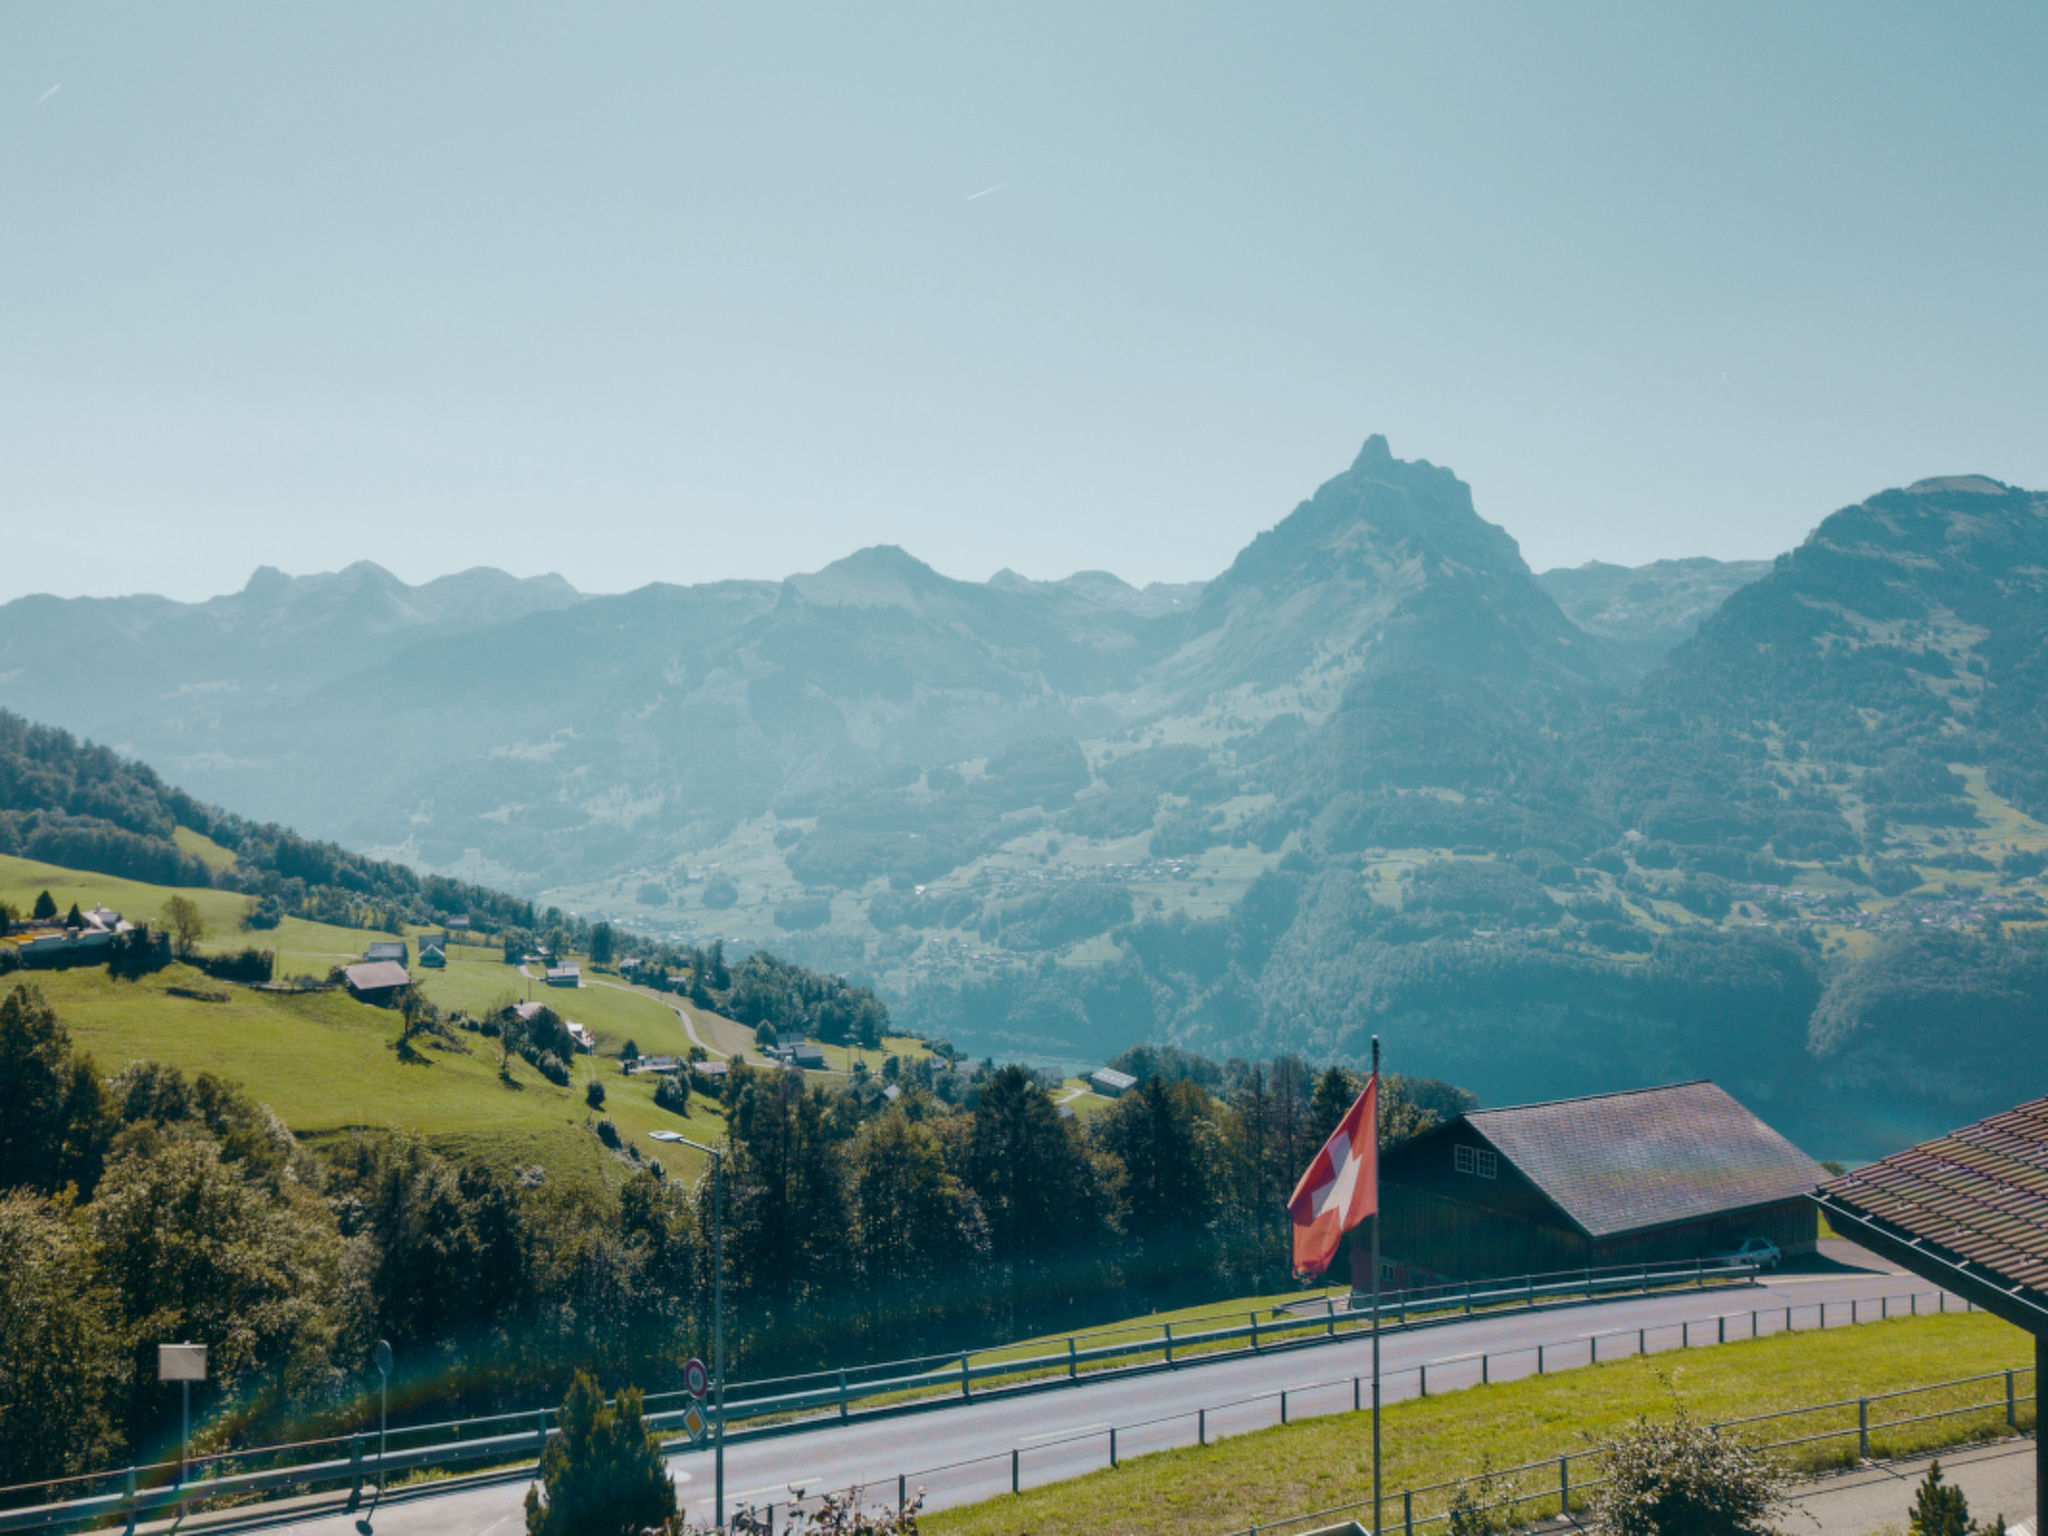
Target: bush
<point>603,1475</point>
<point>593,1094</point>
<point>252,967</point>
<point>1678,1478</point>
<point>551,1067</point>
<point>608,1134</point>
<point>672,1093</point>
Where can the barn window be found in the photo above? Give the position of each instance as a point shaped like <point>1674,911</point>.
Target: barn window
<point>1482,1161</point>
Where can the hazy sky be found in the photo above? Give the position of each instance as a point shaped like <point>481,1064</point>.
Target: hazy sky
<point>680,292</point>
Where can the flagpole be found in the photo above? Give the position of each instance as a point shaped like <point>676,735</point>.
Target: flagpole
<point>1375,1290</point>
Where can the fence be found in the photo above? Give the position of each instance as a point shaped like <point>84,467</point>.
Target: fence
<point>1056,1458</point>
<point>517,1437</point>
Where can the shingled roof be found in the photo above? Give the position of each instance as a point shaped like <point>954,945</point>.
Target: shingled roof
<point>1618,1162</point>
<point>1977,1197</point>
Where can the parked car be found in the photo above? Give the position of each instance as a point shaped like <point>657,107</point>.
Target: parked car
<point>1760,1251</point>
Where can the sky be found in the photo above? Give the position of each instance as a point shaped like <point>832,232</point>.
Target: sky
<point>683,292</point>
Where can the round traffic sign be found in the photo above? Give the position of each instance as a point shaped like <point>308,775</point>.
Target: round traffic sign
<point>696,1378</point>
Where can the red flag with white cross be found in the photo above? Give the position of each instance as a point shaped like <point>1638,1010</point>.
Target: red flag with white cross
<point>1341,1187</point>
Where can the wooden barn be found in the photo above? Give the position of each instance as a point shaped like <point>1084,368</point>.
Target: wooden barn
<point>1651,1176</point>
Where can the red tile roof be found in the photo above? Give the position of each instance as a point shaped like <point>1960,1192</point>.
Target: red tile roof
<point>1980,1194</point>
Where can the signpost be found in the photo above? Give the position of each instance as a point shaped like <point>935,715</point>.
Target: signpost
<point>184,1364</point>
<point>697,1381</point>
<point>717,1156</point>
<point>383,1407</point>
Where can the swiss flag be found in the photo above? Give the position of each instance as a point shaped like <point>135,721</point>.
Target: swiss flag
<point>1341,1187</point>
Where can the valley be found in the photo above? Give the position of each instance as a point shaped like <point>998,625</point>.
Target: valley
<point>1766,821</point>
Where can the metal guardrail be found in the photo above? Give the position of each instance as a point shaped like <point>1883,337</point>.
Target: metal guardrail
<point>519,1437</point>
<point>987,1475</point>
<point>1569,1492</point>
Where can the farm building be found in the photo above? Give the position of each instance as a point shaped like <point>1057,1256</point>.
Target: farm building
<point>1110,1083</point>
<point>432,954</point>
<point>376,982</point>
<point>386,949</point>
<point>1651,1176</point>
<point>567,974</point>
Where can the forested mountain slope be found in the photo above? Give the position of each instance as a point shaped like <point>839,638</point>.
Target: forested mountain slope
<point>1371,777</point>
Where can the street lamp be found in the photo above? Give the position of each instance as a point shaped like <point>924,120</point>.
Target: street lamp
<point>717,1157</point>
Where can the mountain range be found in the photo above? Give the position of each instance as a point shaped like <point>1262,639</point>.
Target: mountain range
<point>1767,821</point>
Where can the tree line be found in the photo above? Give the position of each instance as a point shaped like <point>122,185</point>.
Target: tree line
<point>152,1205</point>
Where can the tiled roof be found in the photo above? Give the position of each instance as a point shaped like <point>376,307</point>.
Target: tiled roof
<point>1980,1193</point>
<point>1617,1162</point>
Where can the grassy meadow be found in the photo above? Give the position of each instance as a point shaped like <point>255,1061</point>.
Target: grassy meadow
<point>1322,1462</point>
<point>327,1064</point>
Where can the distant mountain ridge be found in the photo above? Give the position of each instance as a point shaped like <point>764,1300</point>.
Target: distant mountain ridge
<point>1560,833</point>
<point>1647,611</point>
<point>102,663</point>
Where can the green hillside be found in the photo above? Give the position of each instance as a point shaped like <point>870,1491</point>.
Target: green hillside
<point>327,1064</point>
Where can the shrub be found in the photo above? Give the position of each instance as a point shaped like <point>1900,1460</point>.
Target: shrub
<point>552,1067</point>
<point>1676,1477</point>
<point>603,1475</point>
<point>672,1093</point>
<point>252,967</point>
<point>608,1134</point>
<point>593,1094</point>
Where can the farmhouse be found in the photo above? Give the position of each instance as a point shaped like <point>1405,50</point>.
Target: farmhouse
<point>82,946</point>
<point>386,949</point>
<point>1110,1083</point>
<point>432,954</point>
<point>567,974</point>
<point>1653,1176</point>
<point>377,982</point>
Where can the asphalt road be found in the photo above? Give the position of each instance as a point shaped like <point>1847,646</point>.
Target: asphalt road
<point>961,1453</point>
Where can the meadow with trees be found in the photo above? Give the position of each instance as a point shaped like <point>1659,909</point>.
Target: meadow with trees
<point>963,1210</point>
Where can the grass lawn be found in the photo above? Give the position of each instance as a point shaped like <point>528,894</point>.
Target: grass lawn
<point>1321,1462</point>
<point>22,879</point>
<point>327,1064</point>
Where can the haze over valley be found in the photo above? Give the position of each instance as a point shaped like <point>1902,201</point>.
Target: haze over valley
<point>1770,822</point>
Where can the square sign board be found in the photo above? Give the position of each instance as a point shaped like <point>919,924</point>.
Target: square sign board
<point>694,1425</point>
<point>181,1362</point>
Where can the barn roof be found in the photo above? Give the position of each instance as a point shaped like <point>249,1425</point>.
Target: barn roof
<point>375,975</point>
<point>1977,1197</point>
<point>1617,1162</point>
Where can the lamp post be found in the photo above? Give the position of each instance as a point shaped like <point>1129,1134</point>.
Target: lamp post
<point>717,1157</point>
<point>383,1406</point>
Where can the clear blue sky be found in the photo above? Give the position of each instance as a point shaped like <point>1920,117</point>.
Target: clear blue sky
<point>673,291</point>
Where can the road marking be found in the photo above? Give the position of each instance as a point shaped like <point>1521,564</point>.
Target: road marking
<point>1469,1355</point>
<point>1887,1274</point>
<point>1061,1434</point>
<point>781,1489</point>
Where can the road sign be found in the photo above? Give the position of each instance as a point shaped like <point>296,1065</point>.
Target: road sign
<point>181,1362</point>
<point>695,1425</point>
<point>696,1378</point>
